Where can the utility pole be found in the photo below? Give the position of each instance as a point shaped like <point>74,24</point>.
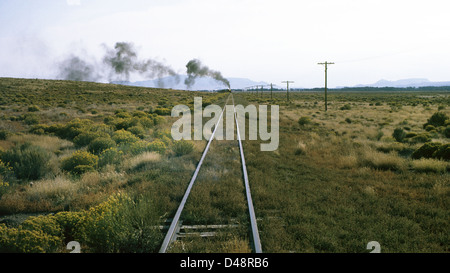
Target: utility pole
<point>271,91</point>
<point>287,82</point>
<point>326,69</point>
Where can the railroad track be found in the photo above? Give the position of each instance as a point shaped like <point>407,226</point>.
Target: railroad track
<point>175,226</point>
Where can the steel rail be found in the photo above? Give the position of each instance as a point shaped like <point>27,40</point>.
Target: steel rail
<point>173,226</point>
<point>255,233</point>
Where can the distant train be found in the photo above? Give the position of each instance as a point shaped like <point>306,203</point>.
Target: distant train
<point>224,90</point>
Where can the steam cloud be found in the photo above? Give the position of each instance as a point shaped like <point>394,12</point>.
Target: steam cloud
<point>196,69</point>
<point>119,63</point>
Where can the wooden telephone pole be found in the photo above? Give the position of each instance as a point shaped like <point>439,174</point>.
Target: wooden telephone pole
<point>326,69</point>
<point>287,82</point>
<point>271,91</point>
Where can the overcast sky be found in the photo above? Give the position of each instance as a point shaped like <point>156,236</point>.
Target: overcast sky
<point>263,40</point>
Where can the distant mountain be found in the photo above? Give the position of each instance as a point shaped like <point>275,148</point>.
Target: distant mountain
<point>414,82</point>
<point>204,83</point>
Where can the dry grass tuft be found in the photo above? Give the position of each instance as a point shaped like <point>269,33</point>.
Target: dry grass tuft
<point>430,165</point>
<point>141,159</point>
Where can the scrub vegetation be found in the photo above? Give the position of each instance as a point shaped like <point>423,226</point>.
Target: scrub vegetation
<point>96,163</point>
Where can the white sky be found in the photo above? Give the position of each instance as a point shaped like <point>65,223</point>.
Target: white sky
<point>264,40</point>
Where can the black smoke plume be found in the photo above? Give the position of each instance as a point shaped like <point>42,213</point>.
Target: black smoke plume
<point>76,69</point>
<point>119,64</point>
<point>195,69</point>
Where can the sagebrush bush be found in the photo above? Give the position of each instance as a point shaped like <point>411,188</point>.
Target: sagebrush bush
<point>157,146</point>
<point>426,151</point>
<point>30,119</point>
<point>447,132</point>
<point>80,162</point>
<point>73,128</point>
<point>85,138</point>
<point>399,134</point>
<point>110,156</point>
<point>443,152</point>
<point>138,131</point>
<point>33,108</point>
<point>163,111</point>
<point>22,240</point>
<point>4,134</point>
<point>437,119</point>
<point>97,146</point>
<point>421,138</point>
<point>346,107</point>
<point>304,121</point>
<point>27,161</point>
<point>182,147</point>
<point>124,137</point>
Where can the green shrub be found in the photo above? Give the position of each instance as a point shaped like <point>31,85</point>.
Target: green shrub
<point>70,223</point>
<point>429,128</point>
<point>85,138</point>
<point>121,224</point>
<point>110,156</point>
<point>80,162</point>
<point>426,151</point>
<point>4,134</point>
<point>122,114</point>
<point>30,119</point>
<point>126,123</point>
<point>33,108</point>
<point>158,120</point>
<point>22,240</point>
<point>182,147</point>
<point>447,132</point>
<point>304,121</point>
<point>163,111</point>
<point>399,134</point>
<point>157,146</point>
<point>98,145</point>
<point>139,114</point>
<point>81,169</point>
<point>443,152</point>
<point>5,169</point>
<point>139,147</point>
<point>28,161</point>
<point>410,135</point>
<point>437,119</point>
<point>137,131</point>
<point>124,137</point>
<point>147,122</point>
<point>421,138</point>
<point>72,129</point>
<point>346,107</point>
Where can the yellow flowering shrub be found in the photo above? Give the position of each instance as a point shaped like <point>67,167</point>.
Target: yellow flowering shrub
<point>119,224</point>
<point>3,187</point>
<point>80,162</point>
<point>23,240</point>
<point>98,226</point>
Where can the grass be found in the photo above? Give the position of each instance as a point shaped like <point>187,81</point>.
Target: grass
<point>333,186</point>
<point>430,165</point>
<point>336,182</point>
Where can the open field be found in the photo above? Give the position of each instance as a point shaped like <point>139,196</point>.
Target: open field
<point>106,171</point>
